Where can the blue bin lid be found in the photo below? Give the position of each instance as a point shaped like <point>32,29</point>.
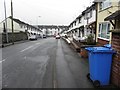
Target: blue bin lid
<point>108,46</point>
<point>100,49</point>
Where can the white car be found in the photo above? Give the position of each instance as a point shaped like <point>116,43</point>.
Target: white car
<point>33,37</point>
<point>57,37</point>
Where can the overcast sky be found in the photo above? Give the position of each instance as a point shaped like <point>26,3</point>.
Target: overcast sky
<point>51,12</point>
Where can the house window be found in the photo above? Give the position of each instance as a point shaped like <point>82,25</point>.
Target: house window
<point>79,20</point>
<point>75,23</point>
<point>83,33</point>
<point>85,17</point>
<point>100,5</point>
<point>72,25</point>
<point>105,4</point>
<point>90,13</point>
<point>104,30</point>
<point>24,26</point>
<point>21,26</point>
<point>4,28</point>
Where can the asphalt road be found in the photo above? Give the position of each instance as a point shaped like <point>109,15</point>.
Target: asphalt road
<point>45,63</point>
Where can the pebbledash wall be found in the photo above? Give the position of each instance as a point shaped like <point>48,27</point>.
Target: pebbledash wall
<point>115,74</point>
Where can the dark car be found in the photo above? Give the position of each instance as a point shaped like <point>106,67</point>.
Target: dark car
<point>44,36</point>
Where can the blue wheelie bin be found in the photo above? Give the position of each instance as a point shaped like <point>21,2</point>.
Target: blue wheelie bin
<point>100,60</point>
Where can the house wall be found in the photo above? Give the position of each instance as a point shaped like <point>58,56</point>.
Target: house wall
<point>93,18</point>
<point>102,42</point>
<point>1,26</point>
<point>89,21</point>
<point>44,31</point>
<point>51,30</point>
<point>54,31</point>
<point>85,22</point>
<point>82,22</point>
<point>16,26</point>
<point>115,77</point>
<point>102,14</point>
<point>117,24</point>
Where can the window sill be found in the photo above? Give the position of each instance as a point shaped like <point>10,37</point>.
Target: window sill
<point>104,39</point>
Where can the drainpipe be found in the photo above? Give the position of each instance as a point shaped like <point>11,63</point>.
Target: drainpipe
<point>96,21</point>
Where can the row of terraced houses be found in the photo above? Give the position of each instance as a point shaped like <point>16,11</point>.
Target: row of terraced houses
<point>23,30</point>
<point>101,21</point>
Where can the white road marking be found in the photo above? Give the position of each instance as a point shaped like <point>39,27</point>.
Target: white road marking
<point>26,49</point>
<point>2,60</point>
<point>54,82</point>
<point>37,43</point>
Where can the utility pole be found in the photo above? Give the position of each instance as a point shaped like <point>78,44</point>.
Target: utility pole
<point>38,25</point>
<point>12,22</point>
<point>5,22</point>
<point>38,19</point>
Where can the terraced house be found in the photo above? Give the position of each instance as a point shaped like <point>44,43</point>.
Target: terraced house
<point>22,30</point>
<point>104,9</point>
<point>102,20</point>
<point>115,20</point>
<point>83,26</point>
<point>51,30</point>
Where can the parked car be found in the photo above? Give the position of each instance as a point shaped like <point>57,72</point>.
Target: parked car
<point>57,37</point>
<point>44,36</point>
<point>33,37</point>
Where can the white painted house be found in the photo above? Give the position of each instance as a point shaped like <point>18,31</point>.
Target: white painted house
<point>51,30</point>
<point>19,26</point>
<point>83,25</point>
<point>90,20</point>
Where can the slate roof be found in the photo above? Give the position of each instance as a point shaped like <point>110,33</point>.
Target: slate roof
<point>21,22</point>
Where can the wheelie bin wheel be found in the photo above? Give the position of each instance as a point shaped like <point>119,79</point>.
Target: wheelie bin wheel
<point>96,83</point>
<point>88,75</point>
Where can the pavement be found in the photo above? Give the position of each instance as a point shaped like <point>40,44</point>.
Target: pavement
<point>67,40</point>
<point>8,44</point>
<point>44,63</point>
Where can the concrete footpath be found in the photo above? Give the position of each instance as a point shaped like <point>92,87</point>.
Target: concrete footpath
<point>72,44</point>
<point>8,44</point>
<point>84,63</point>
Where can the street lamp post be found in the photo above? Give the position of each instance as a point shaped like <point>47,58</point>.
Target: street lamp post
<point>58,29</point>
<point>38,19</point>
<point>12,22</point>
<point>38,24</point>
